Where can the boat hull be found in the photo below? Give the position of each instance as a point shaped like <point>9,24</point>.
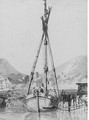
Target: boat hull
<point>44,104</point>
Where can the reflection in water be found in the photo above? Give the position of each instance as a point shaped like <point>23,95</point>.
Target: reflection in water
<point>80,114</point>
<point>28,116</point>
<point>42,116</point>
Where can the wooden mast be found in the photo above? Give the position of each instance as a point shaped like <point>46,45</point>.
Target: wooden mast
<point>45,27</point>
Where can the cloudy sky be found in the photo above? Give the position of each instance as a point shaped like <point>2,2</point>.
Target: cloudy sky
<point>21,31</point>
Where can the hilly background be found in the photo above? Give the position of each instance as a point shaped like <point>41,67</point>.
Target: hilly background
<point>70,72</point>
<point>75,70</point>
<point>9,71</point>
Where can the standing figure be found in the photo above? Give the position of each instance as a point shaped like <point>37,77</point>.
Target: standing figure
<point>69,102</point>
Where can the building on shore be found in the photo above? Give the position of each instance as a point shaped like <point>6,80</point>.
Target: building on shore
<point>4,83</point>
<point>82,86</point>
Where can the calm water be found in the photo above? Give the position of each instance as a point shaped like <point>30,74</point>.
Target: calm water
<point>80,114</point>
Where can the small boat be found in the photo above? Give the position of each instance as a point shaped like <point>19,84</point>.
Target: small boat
<point>42,102</point>
<point>15,105</point>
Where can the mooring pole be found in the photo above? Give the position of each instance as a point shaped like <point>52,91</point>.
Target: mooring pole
<point>38,107</point>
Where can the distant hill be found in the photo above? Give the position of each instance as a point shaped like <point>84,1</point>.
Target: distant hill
<point>9,71</point>
<point>75,65</point>
<point>72,71</point>
<point>6,68</point>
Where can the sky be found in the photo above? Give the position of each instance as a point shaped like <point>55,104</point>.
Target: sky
<point>21,31</point>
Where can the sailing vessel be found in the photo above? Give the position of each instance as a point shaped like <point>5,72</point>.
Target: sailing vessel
<point>43,101</point>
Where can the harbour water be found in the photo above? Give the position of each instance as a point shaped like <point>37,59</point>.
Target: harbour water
<point>79,114</point>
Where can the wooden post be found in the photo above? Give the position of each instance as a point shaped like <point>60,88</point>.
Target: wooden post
<point>38,107</point>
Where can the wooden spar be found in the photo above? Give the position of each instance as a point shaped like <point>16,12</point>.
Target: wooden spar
<point>45,7</point>
<point>53,68</point>
<point>34,64</point>
<point>46,64</point>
